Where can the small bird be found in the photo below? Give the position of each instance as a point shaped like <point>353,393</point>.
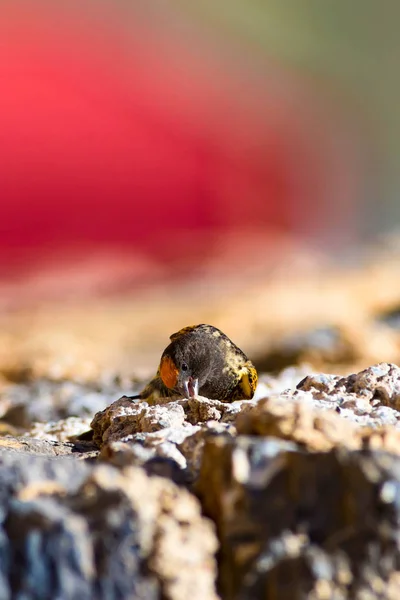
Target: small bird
<point>201,360</point>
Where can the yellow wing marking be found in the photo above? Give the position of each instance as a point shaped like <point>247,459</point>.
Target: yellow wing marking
<point>248,381</point>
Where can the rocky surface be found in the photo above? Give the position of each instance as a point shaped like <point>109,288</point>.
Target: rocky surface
<point>70,530</point>
<point>171,433</point>
<point>62,431</point>
<point>321,412</point>
<point>301,482</point>
<point>340,346</point>
<point>294,524</point>
<point>299,421</point>
<point>46,399</point>
<point>26,446</point>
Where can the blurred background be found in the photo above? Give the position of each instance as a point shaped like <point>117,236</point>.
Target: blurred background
<point>163,164</point>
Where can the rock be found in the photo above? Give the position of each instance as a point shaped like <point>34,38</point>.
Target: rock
<point>319,382</point>
<point>20,468</point>
<point>297,524</point>
<point>380,382</point>
<point>382,438</point>
<point>70,530</point>
<point>171,453</point>
<point>312,415</point>
<point>8,429</point>
<point>125,418</point>
<point>165,439</point>
<point>320,345</point>
<point>161,461</point>
<point>62,431</point>
<point>306,507</point>
<point>286,379</point>
<point>298,421</point>
<point>192,446</point>
<point>28,446</point>
<point>370,398</point>
<point>134,433</point>
<point>43,400</point>
<point>201,410</point>
<point>352,343</point>
<point>325,411</point>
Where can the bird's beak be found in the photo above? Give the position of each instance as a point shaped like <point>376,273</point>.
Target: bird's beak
<point>191,387</point>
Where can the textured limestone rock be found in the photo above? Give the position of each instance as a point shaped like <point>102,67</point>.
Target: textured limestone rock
<point>201,410</point>
<point>22,445</point>
<point>193,445</point>
<point>327,411</point>
<point>163,460</point>
<point>370,397</point>
<point>298,525</point>
<point>379,383</point>
<point>315,429</point>
<point>284,380</point>
<point>73,531</point>
<point>324,411</point>
<point>172,453</point>
<point>125,418</point>
<point>298,421</point>
<point>382,438</point>
<point>62,431</point>
<point>166,439</point>
<point>7,429</point>
<point>44,399</point>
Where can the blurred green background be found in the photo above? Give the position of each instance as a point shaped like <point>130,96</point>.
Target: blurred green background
<point>351,50</point>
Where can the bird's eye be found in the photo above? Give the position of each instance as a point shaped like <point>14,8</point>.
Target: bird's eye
<point>184,367</point>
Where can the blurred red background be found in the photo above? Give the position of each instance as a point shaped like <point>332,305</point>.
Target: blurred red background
<point>155,139</point>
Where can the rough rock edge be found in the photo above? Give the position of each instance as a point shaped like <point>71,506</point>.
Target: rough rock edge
<point>60,507</point>
<point>288,516</point>
<point>323,412</point>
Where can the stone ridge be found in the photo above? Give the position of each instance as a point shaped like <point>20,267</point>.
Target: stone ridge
<point>302,483</point>
<point>297,525</point>
<point>73,530</point>
<point>319,413</point>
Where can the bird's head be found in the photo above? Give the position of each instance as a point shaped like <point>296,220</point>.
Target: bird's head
<point>185,365</point>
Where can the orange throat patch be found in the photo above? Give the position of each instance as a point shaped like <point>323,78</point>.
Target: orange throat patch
<point>168,372</point>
